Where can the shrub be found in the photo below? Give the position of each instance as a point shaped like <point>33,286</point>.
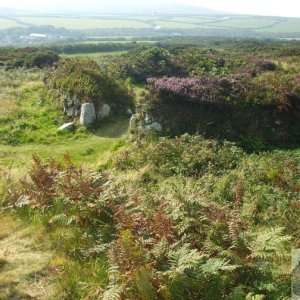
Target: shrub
<point>141,64</point>
<point>186,155</point>
<point>27,57</point>
<point>258,113</point>
<point>41,59</point>
<point>271,89</point>
<point>82,78</point>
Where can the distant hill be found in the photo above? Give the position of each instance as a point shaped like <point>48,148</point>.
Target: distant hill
<point>111,8</point>
<point>175,8</point>
<point>7,11</point>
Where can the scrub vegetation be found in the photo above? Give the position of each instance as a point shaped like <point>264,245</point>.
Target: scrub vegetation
<point>207,208</point>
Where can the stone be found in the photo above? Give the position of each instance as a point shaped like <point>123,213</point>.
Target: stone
<point>71,105</point>
<point>133,122</point>
<point>88,114</point>
<point>155,126</point>
<point>67,126</point>
<point>148,119</point>
<point>129,112</point>
<point>103,111</point>
<point>72,112</point>
<point>278,122</point>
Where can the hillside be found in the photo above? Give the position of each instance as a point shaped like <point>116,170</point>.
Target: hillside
<point>164,171</point>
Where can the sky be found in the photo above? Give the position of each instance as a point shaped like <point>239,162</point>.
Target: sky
<point>289,8</point>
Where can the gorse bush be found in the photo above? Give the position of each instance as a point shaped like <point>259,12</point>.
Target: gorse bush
<point>183,218</point>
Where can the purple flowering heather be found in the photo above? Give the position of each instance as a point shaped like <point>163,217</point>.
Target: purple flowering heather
<point>194,89</point>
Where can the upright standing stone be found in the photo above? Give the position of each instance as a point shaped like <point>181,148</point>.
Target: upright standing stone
<point>103,111</point>
<point>88,114</point>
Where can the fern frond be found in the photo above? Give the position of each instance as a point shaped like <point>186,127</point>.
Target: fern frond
<point>269,244</point>
<point>113,293</point>
<point>214,265</point>
<point>183,259</point>
<point>252,296</point>
<point>115,288</point>
<point>63,219</point>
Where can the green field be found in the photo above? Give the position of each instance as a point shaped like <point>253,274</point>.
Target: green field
<point>84,23</point>
<point>287,25</point>
<point>247,22</point>
<point>194,20</point>
<point>7,23</point>
<point>260,24</point>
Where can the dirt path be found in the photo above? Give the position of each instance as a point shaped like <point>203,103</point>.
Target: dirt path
<point>24,270</point>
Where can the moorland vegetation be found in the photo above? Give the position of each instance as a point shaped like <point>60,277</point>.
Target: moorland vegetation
<point>208,208</point>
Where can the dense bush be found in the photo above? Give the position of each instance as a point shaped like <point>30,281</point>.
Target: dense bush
<point>83,79</point>
<point>199,62</point>
<point>141,64</point>
<point>258,113</point>
<point>187,155</point>
<point>190,89</point>
<point>41,59</point>
<point>270,89</point>
<point>27,57</point>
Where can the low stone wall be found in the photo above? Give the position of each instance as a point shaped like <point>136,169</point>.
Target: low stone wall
<point>253,127</point>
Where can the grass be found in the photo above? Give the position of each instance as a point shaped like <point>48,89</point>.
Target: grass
<point>29,122</point>
<point>32,117</point>
<point>107,40</point>
<point>24,258</point>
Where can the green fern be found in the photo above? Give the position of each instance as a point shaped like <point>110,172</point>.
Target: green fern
<point>115,288</point>
<point>183,259</point>
<point>252,296</point>
<point>113,293</point>
<point>215,265</point>
<point>63,219</point>
<point>270,244</point>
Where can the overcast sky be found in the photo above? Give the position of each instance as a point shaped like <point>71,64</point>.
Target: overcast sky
<point>261,7</point>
